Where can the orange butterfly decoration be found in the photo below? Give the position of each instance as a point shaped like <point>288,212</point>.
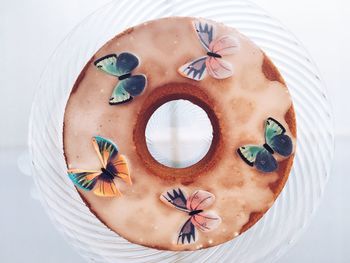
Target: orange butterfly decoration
<point>114,166</point>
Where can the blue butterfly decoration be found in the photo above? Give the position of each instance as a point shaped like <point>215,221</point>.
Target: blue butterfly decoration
<point>121,67</point>
<point>276,141</point>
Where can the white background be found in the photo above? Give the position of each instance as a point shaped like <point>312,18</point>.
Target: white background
<point>29,32</point>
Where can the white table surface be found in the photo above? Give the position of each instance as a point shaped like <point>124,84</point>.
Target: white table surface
<point>29,32</point>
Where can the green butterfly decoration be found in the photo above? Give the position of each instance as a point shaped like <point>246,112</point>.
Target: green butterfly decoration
<point>121,67</point>
<point>276,141</point>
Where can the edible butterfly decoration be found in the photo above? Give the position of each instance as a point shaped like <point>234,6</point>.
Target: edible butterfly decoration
<point>275,141</point>
<point>113,165</point>
<point>212,62</point>
<point>121,67</point>
<point>194,206</point>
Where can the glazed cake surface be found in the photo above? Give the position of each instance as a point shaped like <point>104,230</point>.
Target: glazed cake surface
<point>237,106</point>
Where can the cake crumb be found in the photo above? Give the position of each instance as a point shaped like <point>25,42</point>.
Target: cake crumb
<point>199,246</point>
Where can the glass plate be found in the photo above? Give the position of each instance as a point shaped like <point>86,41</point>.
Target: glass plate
<point>282,224</point>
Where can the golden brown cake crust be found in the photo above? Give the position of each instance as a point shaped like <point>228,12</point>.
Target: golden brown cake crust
<point>144,166</point>
<point>272,73</point>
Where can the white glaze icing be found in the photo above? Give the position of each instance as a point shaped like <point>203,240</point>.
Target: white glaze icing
<point>243,103</point>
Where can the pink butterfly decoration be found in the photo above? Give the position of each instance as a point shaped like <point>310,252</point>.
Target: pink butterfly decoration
<point>213,63</point>
<point>194,206</point>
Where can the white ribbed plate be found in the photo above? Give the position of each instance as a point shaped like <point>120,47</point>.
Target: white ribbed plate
<point>284,222</point>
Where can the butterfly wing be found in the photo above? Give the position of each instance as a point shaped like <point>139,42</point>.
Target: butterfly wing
<point>106,188</point>
<point>126,62</point>
<point>206,221</point>
<point>265,161</point>
<point>107,64</point>
<point>200,200</point>
<point>119,94</point>
<point>176,198</point>
<point>248,153</point>
<point>134,85</point>
<point>187,233</point>
<point>276,138</point>
<point>224,45</point>
<point>105,149</point>
<point>119,167</point>
<point>272,128</point>
<point>282,144</point>
<point>219,68</point>
<point>195,69</point>
<point>205,33</point>
<point>84,179</point>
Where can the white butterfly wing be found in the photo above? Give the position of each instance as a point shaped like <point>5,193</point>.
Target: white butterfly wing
<point>224,45</point>
<point>195,69</point>
<point>219,68</point>
<point>205,32</point>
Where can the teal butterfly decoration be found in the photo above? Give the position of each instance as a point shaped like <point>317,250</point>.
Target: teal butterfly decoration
<point>121,67</point>
<point>276,141</point>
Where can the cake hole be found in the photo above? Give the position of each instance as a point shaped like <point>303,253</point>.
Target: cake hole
<point>179,134</point>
